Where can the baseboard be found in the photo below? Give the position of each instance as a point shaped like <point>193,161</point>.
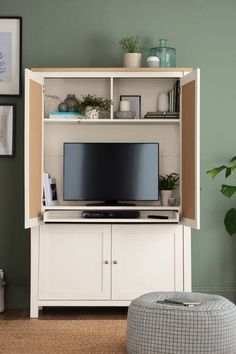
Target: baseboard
<point>227,291</point>
<point>17,297</point>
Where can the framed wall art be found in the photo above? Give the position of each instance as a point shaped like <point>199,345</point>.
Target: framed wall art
<point>135,103</point>
<point>10,56</point>
<point>7,130</point>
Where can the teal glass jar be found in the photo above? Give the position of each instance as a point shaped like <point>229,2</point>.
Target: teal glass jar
<point>167,55</point>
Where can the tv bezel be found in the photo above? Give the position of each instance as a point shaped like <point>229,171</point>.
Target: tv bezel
<point>114,202</point>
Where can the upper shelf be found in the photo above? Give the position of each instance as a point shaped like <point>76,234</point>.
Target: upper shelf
<point>110,121</point>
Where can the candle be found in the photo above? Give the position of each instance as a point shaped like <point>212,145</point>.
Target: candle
<point>124,106</point>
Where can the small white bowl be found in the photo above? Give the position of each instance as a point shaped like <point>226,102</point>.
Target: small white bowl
<point>124,115</point>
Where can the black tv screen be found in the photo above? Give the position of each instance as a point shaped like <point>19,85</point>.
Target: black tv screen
<point>111,172</point>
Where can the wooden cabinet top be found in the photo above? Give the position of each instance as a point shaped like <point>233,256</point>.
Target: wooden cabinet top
<point>122,69</point>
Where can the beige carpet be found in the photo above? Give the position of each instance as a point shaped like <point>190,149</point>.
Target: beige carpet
<point>63,336</point>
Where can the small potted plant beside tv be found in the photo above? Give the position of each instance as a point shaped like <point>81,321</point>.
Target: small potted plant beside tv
<point>92,105</point>
<point>132,56</point>
<point>167,184</point>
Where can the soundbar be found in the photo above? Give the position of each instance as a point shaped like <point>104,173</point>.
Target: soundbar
<point>111,214</point>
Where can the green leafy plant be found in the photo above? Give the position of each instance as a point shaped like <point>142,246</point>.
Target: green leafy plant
<point>131,44</point>
<point>168,182</point>
<point>228,191</point>
<point>100,104</point>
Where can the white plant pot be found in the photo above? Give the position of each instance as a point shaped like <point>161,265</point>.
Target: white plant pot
<point>132,60</point>
<point>91,113</point>
<point>165,195</point>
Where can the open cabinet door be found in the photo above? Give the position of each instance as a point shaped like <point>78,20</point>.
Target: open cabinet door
<point>190,149</point>
<point>33,147</point>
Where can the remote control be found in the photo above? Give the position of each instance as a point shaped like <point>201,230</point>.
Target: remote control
<point>158,216</point>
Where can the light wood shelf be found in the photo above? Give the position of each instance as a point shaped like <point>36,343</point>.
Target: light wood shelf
<point>110,121</point>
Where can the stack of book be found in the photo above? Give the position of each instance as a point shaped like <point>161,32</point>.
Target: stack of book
<point>50,190</point>
<point>64,115</point>
<point>173,98</point>
<point>161,115</point>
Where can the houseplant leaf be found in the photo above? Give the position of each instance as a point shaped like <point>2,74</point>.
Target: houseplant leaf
<point>215,171</point>
<point>230,221</point>
<point>227,190</point>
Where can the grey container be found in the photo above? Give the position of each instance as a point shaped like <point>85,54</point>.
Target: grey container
<point>2,291</point>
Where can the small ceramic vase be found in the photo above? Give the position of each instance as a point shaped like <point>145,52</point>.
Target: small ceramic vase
<point>91,113</point>
<point>62,107</point>
<point>72,103</point>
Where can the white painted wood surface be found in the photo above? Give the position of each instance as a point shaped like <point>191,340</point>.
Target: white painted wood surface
<point>74,262</point>
<point>144,259</point>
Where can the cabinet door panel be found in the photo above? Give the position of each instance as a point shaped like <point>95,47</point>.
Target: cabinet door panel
<point>190,169</point>
<point>146,258</point>
<point>33,147</point>
<point>73,262</point>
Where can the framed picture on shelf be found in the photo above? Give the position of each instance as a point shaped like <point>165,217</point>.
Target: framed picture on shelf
<point>7,130</point>
<point>10,56</point>
<point>135,103</point>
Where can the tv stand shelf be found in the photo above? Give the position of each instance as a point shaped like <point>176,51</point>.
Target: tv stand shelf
<point>73,214</point>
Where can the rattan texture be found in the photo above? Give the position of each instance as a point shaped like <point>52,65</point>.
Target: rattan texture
<point>158,328</point>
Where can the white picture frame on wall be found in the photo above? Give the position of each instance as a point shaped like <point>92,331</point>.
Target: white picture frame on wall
<point>10,56</point>
<point>7,130</point>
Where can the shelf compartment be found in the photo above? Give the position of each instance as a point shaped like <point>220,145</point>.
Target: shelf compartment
<point>75,216</point>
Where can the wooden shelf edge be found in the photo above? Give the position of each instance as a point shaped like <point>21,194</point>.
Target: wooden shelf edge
<point>111,69</point>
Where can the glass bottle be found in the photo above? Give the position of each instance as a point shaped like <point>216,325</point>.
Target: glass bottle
<point>167,55</point>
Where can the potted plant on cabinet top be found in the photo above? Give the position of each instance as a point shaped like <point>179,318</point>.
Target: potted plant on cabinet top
<point>227,191</point>
<point>92,105</point>
<point>132,56</point>
<point>167,184</point>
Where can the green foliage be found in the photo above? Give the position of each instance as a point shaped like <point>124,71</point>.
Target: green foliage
<point>99,103</point>
<point>131,44</point>
<point>228,191</point>
<point>168,182</point>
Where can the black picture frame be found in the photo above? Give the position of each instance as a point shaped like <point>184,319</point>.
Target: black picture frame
<point>10,55</point>
<point>7,129</point>
<point>135,103</point>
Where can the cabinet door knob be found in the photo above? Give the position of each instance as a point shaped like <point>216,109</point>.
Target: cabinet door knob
<point>106,262</point>
<point>115,262</point>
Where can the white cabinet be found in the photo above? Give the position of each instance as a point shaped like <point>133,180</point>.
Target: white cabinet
<point>74,262</point>
<point>104,265</point>
<point>146,258</point>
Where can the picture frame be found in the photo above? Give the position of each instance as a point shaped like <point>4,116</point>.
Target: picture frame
<point>135,103</point>
<point>7,129</point>
<point>10,55</point>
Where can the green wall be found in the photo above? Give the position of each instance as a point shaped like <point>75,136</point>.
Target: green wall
<point>86,33</point>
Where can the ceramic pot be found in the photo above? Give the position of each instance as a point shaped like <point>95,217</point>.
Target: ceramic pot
<point>165,195</point>
<point>62,107</point>
<point>72,103</point>
<point>132,60</point>
<point>91,113</point>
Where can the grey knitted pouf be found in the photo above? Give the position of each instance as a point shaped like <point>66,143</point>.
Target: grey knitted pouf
<point>158,328</point>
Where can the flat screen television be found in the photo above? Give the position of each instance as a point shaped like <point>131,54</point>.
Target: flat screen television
<point>111,172</point>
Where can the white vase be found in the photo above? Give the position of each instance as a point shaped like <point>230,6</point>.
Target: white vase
<point>132,60</point>
<point>162,103</point>
<point>91,113</point>
<point>165,195</point>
